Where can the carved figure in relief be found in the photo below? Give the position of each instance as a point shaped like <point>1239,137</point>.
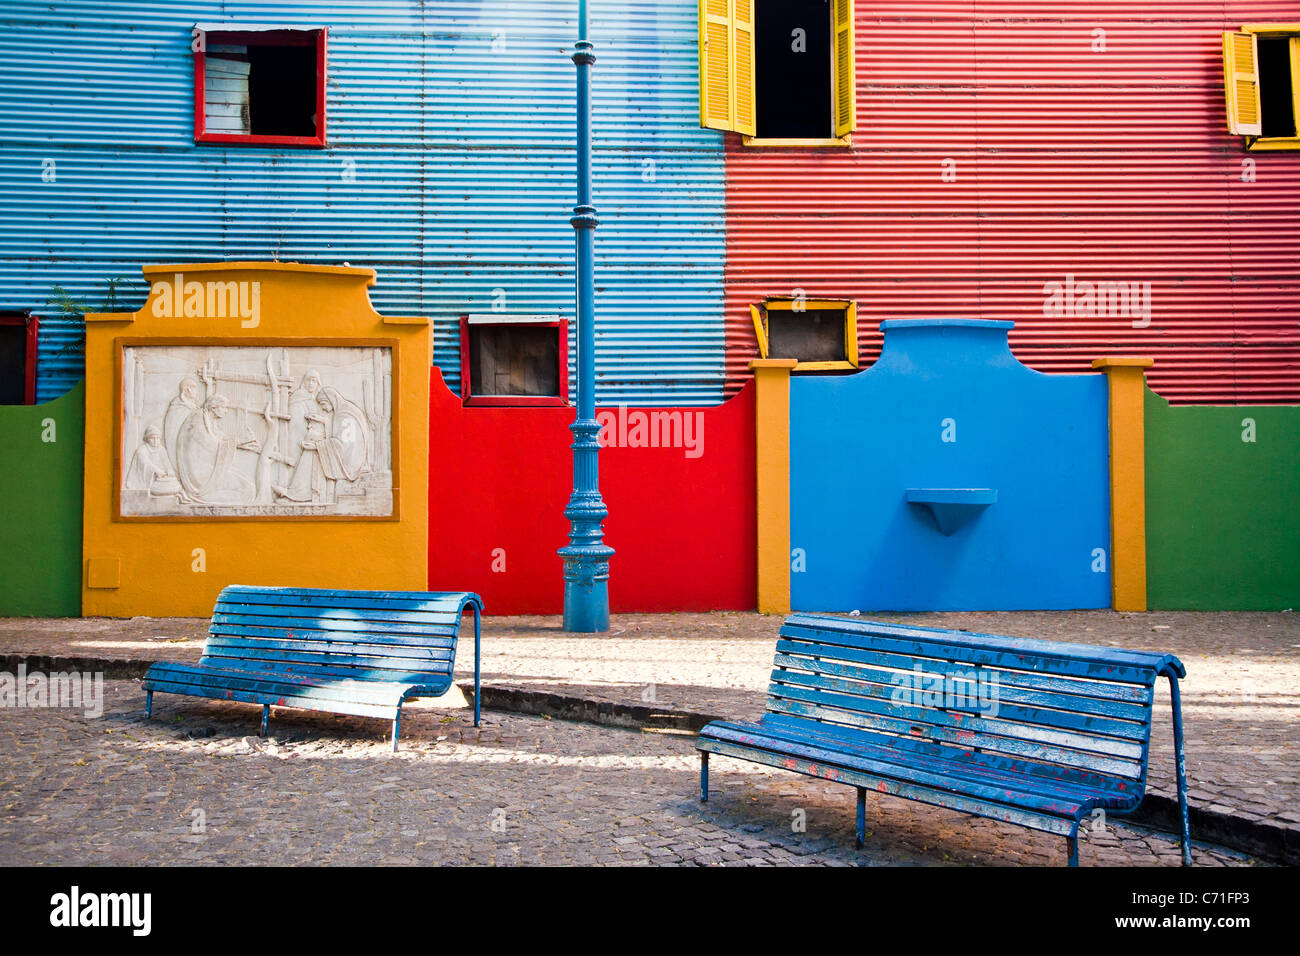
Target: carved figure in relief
<point>179,409</point>
<point>206,456</point>
<point>302,404</point>
<point>151,468</point>
<point>336,447</point>
<point>345,453</point>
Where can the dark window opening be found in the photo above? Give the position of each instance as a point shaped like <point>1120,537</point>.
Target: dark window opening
<point>1275,98</point>
<point>16,359</point>
<point>514,360</point>
<point>792,70</point>
<point>814,335</point>
<point>282,90</point>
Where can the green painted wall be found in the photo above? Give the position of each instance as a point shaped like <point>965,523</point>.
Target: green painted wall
<point>1223,513</point>
<point>40,487</point>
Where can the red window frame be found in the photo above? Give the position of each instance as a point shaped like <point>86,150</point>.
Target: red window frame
<point>317,36</point>
<point>500,401</point>
<point>29,362</point>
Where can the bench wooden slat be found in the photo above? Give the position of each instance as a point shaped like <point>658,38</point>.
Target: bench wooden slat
<point>305,597</point>
<point>936,797</point>
<point>214,692</point>
<point>366,673</point>
<point>845,693</point>
<point>1102,690</point>
<point>1008,739</point>
<point>1058,656</point>
<point>414,652</point>
<point>1070,730</point>
<point>438,619</point>
<point>959,761</point>
<point>1031,761</point>
<point>281,684</point>
<point>894,680</point>
<point>902,640</point>
<point>1043,797</point>
<point>263,633</point>
<point>292,618</point>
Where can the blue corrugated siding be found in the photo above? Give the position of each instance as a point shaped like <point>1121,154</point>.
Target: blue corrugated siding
<point>463,170</point>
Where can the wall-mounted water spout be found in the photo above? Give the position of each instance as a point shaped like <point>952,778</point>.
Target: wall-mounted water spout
<point>953,508</point>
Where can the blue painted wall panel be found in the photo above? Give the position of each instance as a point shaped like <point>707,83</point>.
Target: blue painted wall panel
<point>449,170</point>
<point>859,442</point>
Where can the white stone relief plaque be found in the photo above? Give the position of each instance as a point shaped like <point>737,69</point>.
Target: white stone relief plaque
<point>252,431</point>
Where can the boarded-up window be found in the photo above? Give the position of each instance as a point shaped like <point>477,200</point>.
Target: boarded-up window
<point>519,360</point>
<point>816,335</point>
<point>225,89</point>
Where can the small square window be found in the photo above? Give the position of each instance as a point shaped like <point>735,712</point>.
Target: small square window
<point>17,358</point>
<point>259,87</point>
<point>820,334</point>
<point>514,360</point>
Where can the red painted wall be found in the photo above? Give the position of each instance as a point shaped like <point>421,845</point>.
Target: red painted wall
<point>683,528</point>
<point>1113,165</point>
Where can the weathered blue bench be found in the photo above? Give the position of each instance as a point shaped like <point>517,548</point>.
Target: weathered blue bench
<point>1032,732</point>
<point>346,652</point>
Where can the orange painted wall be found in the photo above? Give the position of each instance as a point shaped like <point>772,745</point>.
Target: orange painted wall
<point>153,562</point>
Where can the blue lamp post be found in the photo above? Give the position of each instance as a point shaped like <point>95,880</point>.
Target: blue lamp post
<point>586,556</point>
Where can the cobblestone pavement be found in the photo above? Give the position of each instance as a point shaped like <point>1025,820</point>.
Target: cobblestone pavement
<point>1241,696</point>
<point>195,785</point>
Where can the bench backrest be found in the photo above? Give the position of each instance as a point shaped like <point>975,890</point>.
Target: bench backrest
<point>1070,712</point>
<point>407,636</point>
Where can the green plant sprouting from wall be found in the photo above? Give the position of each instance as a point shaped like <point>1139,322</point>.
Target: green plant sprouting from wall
<point>65,305</point>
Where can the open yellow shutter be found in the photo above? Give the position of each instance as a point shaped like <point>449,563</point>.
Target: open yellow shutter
<point>727,65</point>
<point>1241,83</point>
<point>715,64</point>
<point>846,111</point>
<point>742,32</point>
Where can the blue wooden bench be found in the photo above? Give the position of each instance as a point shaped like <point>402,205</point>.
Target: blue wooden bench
<point>345,652</point>
<point>1032,732</point>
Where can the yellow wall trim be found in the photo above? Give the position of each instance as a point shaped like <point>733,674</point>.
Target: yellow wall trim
<point>772,466</point>
<point>1128,523</point>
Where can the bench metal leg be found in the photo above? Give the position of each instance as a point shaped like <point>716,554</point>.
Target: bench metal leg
<point>266,718</point>
<point>397,728</point>
<point>1180,761</point>
<point>862,817</point>
<point>1072,850</point>
<point>478,695</point>
<point>148,704</point>
<point>704,776</point>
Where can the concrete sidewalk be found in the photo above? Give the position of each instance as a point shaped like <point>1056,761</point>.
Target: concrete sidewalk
<point>1240,697</point>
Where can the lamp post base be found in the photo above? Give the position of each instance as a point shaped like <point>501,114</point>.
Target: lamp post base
<point>586,607</point>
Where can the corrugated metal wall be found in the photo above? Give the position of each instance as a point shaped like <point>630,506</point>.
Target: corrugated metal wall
<point>457,121</point>
<point>1065,161</point>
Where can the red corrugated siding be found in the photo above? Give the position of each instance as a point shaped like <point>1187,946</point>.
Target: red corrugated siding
<point>1105,166</point>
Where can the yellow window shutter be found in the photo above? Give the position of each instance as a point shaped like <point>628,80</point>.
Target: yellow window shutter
<point>846,110</point>
<point>760,330</point>
<point>742,32</point>
<point>1241,83</point>
<point>727,65</point>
